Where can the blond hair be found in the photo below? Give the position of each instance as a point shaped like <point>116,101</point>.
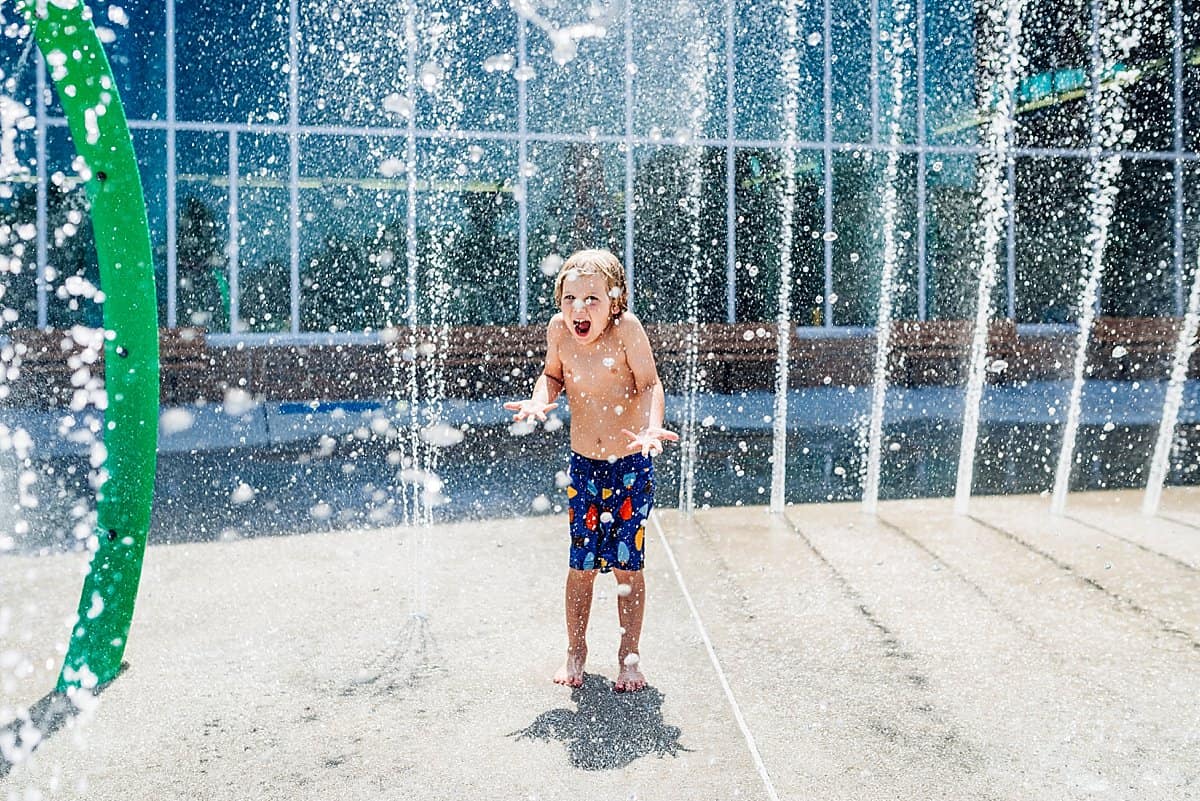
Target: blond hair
<point>596,262</point>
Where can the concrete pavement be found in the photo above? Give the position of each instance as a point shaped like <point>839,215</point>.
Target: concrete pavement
<point>823,654</point>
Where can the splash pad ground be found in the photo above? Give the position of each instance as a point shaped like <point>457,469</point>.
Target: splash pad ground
<point>824,655</point>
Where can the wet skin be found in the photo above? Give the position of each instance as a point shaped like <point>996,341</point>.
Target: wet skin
<point>605,365</point>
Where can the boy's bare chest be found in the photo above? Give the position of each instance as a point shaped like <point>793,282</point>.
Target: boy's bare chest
<point>597,373</point>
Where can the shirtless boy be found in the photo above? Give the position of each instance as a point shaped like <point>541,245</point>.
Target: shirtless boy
<point>598,353</point>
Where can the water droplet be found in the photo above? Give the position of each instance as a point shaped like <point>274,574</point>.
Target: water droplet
<point>391,167</point>
<point>550,265</point>
<point>541,504</point>
<point>173,421</point>
<point>242,494</point>
<point>502,62</point>
<point>431,76</point>
<point>813,39</point>
<point>632,659</point>
<point>623,590</point>
<point>442,435</point>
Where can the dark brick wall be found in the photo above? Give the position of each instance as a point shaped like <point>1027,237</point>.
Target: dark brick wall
<point>504,361</point>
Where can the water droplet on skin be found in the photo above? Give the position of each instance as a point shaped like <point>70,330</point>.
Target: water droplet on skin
<point>632,660</point>
<point>608,361</point>
<point>623,590</point>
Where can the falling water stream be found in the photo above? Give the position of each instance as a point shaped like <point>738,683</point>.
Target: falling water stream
<point>789,64</point>
<point>698,49</point>
<point>1115,30</point>
<point>889,286</point>
<point>1002,63</point>
<point>1160,462</point>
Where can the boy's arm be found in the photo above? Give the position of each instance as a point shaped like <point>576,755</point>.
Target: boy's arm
<point>645,376</point>
<point>549,383</point>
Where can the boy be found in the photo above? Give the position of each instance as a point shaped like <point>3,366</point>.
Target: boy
<point>598,352</point>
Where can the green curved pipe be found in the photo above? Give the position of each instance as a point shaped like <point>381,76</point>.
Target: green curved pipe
<point>81,74</point>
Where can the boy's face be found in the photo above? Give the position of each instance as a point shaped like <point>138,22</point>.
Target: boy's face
<point>586,306</point>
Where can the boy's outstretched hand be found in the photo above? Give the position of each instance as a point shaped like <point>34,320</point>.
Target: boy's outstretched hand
<point>650,440</point>
<point>529,408</point>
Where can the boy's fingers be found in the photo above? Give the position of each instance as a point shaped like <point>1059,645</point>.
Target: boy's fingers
<point>668,435</point>
<point>512,406</point>
<point>629,433</point>
<point>550,406</point>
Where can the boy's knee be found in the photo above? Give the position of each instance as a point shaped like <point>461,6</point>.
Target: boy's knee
<point>629,576</point>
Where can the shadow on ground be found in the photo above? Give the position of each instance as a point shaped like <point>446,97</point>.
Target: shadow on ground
<point>609,729</point>
<point>25,733</point>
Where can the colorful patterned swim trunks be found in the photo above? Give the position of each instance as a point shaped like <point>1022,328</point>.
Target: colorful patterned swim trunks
<point>609,504</point>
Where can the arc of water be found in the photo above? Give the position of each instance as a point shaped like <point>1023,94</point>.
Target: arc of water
<point>1184,347</point>
<point>1114,27</point>
<point>1005,62</point>
<point>888,285</point>
<point>789,64</point>
<point>698,50</point>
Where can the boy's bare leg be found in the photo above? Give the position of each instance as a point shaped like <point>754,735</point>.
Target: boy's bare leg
<point>579,608</point>
<point>630,609</point>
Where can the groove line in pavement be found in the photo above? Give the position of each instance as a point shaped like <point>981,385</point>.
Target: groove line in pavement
<point>712,655</point>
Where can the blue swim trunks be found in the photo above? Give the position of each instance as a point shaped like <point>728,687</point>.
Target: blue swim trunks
<point>609,504</point>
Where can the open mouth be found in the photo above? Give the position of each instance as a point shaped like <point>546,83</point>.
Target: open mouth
<point>582,327</point>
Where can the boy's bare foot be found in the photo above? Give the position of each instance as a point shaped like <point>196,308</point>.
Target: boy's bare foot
<point>630,679</point>
<point>571,673</point>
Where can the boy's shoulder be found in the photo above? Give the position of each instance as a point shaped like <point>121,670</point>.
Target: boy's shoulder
<point>629,326</point>
<point>557,323</point>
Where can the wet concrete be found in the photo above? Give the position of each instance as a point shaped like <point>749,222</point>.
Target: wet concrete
<point>822,654</point>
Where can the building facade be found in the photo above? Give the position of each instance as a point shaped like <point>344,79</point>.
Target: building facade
<point>322,171</point>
